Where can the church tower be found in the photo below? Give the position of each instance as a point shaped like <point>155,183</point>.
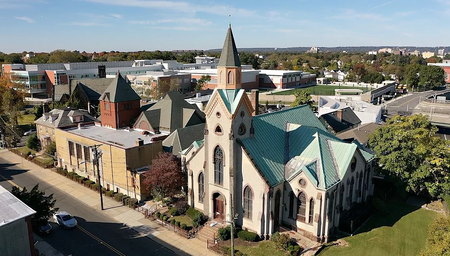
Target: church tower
<point>229,71</point>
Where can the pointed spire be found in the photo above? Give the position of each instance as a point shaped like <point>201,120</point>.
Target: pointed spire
<point>229,56</point>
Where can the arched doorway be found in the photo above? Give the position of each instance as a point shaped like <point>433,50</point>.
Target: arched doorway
<point>276,216</point>
<point>219,206</point>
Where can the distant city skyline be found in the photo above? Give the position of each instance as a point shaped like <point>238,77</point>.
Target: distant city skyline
<point>135,25</point>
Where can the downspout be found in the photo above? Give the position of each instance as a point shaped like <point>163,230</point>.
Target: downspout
<point>112,168</point>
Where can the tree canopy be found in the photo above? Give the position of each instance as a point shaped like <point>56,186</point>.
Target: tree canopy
<point>202,82</point>
<point>165,176</point>
<point>36,200</point>
<point>408,148</point>
<point>302,97</point>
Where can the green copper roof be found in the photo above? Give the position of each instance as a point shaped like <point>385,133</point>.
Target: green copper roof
<point>119,90</point>
<point>229,56</point>
<point>231,98</point>
<point>294,140</point>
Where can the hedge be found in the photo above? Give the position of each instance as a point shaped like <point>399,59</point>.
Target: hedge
<point>247,236</point>
<point>191,213</point>
<point>173,211</point>
<point>132,202</point>
<point>118,197</point>
<point>109,193</point>
<point>184,226</point>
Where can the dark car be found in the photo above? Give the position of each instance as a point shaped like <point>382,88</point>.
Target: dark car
<point>43,229</point>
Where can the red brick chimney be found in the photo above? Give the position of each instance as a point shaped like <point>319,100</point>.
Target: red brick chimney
<point>339,114</point>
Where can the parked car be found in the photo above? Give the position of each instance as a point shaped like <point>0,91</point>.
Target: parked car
<point>29,132</point>
<point>65,220</point>
<point>43,229</point>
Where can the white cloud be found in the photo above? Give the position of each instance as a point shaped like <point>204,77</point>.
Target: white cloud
<point>184,21</point>
<point>14,4</point>
<point>352,14</point>
<point>180,7</point>
<point>383,4</point>
<point>117,16</point>
<point>89,24</point>
<point>27,19</point>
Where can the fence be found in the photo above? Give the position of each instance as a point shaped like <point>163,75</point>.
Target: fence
<point>149,213</point>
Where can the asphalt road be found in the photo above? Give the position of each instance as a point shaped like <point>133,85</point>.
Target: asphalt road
<point>407,102</point>
<point>96,234</point>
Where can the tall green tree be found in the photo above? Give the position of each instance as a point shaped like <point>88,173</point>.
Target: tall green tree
<point>431,76</point>
<point>408,148</point>
<point>412,75</point>
<point>303,97</point>
<point>38,201</point>
<point>204,80</point>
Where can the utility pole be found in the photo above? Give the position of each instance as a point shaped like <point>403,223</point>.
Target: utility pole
<point>96,155</point>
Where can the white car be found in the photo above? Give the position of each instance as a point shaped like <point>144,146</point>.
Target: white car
<point>29,132</point>
<point>65,220</point>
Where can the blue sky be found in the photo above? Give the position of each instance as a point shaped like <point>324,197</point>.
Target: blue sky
<point>133,25</point>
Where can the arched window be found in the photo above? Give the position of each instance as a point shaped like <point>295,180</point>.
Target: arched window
<point>201,187</point>
<point>230,77</point>
<point>248,202</point>
<point>350,193</point>
<point>218,166</point>
<point>291,204</point>
<point>218,130</point>
<point>311,211</point>
<point>301,207</point>
<point>341,197</point>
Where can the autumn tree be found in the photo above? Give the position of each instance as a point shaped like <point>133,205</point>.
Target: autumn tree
<point>38,201</point>
<point>438,240</point>
<point>11,102</point>
<point>408,148</point>
<point>165,177</point>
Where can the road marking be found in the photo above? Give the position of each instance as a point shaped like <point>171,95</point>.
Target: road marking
<point>101,241</point>
<point>10,182</point>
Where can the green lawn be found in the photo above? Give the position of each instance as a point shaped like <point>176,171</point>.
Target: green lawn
<point>263,248</point>
<point>402,232</point>
<point>183,220</point>
<point>320,89</point>
<point>25,150</point>
<point>45,159</point>
<point>26,119</point>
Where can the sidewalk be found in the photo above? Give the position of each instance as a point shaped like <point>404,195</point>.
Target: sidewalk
<point>113,209</point>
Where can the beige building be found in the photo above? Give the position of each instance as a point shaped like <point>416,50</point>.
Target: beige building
<point>427,55</point>
<point>271,170</point>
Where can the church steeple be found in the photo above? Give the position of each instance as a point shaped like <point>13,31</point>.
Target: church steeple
<point>229,70</point>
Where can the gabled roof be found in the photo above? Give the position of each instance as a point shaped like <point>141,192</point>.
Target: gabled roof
<point>119,90</point>
<point>92,87</point>
<point>182,138</point>
<point>229,56</point>
<point>231,98</point>
<point>340,120</point>
<point>360,133</point>
<point>59,118</point>
<point>288,142</point>
<point>171,113</point>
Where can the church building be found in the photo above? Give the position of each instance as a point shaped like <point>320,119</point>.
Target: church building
<point>281,169</point>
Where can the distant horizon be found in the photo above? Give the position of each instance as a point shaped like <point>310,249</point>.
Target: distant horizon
<point>167,25</point>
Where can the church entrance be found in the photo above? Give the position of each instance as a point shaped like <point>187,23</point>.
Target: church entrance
<point>276,217</point>
<point>219,206</point>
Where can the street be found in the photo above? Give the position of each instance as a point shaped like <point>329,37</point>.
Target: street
<point>96,234</point>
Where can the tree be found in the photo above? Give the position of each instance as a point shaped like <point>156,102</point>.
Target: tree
<point>302,97</point>
<point>165,176</point>
<point>408,148</point>
<point>431,76</point>
<point>36,200</point>
<point>411,75</point>
<point>63,56</point>
<point>33,142</point>
<point>438,240</point>
<point>202,82</point>
<point>360,70</point>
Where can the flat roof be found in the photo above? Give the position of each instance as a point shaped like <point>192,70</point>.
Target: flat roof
<point>11,208</point>
<point>279,72</point>
<point>121,138</point>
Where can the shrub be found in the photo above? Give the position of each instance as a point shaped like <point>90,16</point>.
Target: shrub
<point>294,249</point>
<point>103,190</point>
<point>224,233</point>
<point>125,199</point>
<point>109,193</point>
<point>283,242</point>
<point>200,218</point>
<point>182,207</point>
<point>184,226</point>
<point>158,214</point>
<point>192,213</point>
<point>165,218</point>
<point>178,223</point>
<point>173,211</point>
<point>247,236</point>
<point>118,197</point>
<point>238,253</point>
<point>33,142</point>
<point>132,202</point>
<point>95,187</point>
<point>172,221</point>
<point>51,149</point>
<point>275,236</point>
<point>195,224</point>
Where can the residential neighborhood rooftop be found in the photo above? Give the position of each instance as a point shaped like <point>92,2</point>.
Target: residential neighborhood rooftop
<point>123,138</point>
